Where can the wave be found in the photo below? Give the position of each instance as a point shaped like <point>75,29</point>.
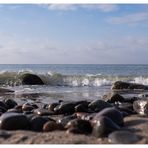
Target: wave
<point>57,79</point>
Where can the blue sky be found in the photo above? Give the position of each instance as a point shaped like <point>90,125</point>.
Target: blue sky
<point>65,34</point>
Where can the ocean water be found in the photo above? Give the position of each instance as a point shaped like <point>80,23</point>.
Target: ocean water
<point>68,82</point>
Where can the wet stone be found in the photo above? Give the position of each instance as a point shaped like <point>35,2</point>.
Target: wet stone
<point>65,108</point>
<point>27,107</point>
<point>2,109</point>
<point>112,113</point>
<point>43,112</point>
<point>103,126</point>
<point>98,105</point>
<point>123,137</point>
<point>81,108</point>
<point>64,120</point>
<point>141,107</point>
<point>2,104</point>
<point>52,126</point>
<point>82,125</point>
<point>37,122</point>
<point>52,106</point>
<point>10,103</point>
<point>14,110</point>
<point>113,97</point>
<point>13,121</point>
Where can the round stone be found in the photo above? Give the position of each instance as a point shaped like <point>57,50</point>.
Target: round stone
<point>98,105</point>
<point>10,103</point>
<point>112,113</point>
<point>123,137</point>
<point>82,125</point>
<point>14,121</point>
<point>104,126</point>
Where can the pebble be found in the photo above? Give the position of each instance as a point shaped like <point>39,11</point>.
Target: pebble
<point>13,121</point>
<point>52,126</point>
<point>10,103</point>
<point>82,125</point>
<point>98,105</point>
<point>123,137</point>
<point>112,113</point>
<point>37,122</point>
<point>141,107</point>
<point>43,112</point>
<point>4,134</point>
<point>64,120</point>
<point>104,126</point>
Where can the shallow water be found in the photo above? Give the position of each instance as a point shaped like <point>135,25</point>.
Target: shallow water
<point>69,82</point>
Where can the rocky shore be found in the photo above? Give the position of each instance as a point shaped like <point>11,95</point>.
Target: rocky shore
<point>114,119</point>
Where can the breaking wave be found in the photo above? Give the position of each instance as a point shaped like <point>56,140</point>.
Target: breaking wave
<point>57,79</point>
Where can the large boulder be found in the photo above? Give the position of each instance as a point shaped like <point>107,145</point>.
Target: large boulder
<point>31,79</point>
<point>126,85</point>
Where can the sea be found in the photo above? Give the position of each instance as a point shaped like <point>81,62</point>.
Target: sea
<point>68,82</point>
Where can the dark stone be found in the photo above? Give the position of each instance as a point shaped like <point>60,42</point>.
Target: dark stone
<point>52,106</point>
<point>65,108</point>
<point>14,121</point>
<point>27,107</point>
<point>141,106</point>
<point>43,112</point>
<point>66,119</point>
<point>14,110</point>
<point>103,126</point>
<point>112,113</point>
<point>98,105</point>
<point>52,126</point>
<point>114,97</point>
<point>31,79</point>
<point>123,137</point>
<point>10,103</point>
<point>126,85</point>
<point>81,108</point>
<point>82,125</point>
<point>37,123</point>
<point>126,107</point>
<point>2,109</point>
<point>2,104</point>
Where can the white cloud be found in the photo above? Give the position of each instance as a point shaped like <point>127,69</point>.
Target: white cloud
<point>71,7</point>
<point>133,18</point>
<point>62,7</point>
<point>101,7</point>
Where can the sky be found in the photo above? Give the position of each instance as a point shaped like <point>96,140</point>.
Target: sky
<point>73,33</point>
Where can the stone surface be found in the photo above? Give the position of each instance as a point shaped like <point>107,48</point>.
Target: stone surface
<point>14,121</point>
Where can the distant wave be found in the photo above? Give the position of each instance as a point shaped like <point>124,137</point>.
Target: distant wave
<point>57,79</point>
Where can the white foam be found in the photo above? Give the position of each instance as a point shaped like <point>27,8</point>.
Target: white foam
<point>141,80</point>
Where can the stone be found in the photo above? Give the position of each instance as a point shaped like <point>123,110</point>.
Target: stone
<point>64,120</point>
<point>98,105</point>
<point>125,85</point>
<point>31,79</point>
<point>10,103</point>
<point>14,121</point>
<point>141,107</point>
<point>65,108</point>
<point>52,106</point>
<point>103,126</point>
<point>82,125</point>
<point>43,112</point>
<point>123,137</point>
<point>112,113</point>
<point>52,126</point>
<point>37,123</point>
<point>113,97</point>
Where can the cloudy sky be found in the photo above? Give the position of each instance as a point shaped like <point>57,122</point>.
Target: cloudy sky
<point>65,34</point>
